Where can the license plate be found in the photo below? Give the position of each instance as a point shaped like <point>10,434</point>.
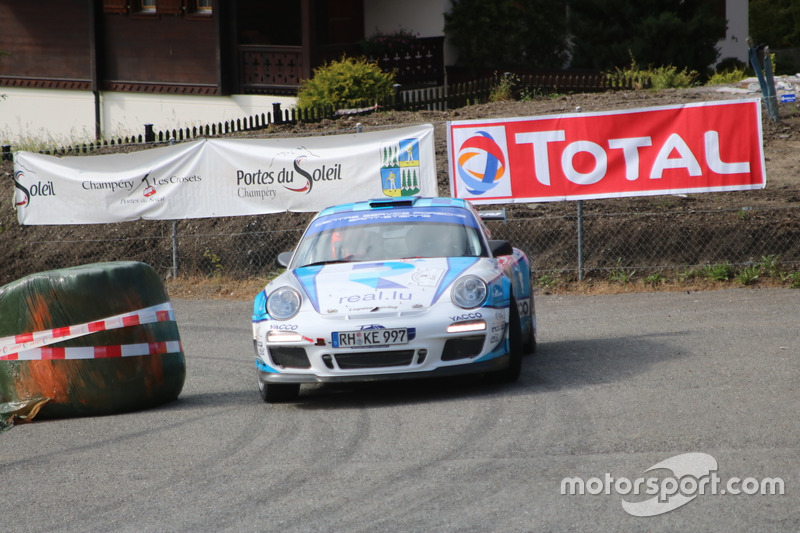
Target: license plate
<point>369,337</point>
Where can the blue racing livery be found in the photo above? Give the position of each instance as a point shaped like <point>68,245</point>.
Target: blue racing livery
<point>389,289</point>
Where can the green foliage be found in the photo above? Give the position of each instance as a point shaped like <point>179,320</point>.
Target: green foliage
<point>794,280</point>
<point>215,262</point>
<point>683,33</point>
<point>748,275</point>
<point>671,78</point>
<point>743,214</point>
<point>508,33</point>
<point>719,271</point>
<point>727,77</point>
<point>620,274</point>
<point>655,279</point>
<point>774,22</point>
<point>547,281</point>
<point>503,87</point>
<point>349,82</point>
<point>652,78</point>
<point>770,265</point>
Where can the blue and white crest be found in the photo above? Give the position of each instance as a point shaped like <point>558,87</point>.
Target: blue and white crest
<point>400,168</point>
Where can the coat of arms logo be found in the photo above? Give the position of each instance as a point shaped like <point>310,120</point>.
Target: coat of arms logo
<point>400,168</point>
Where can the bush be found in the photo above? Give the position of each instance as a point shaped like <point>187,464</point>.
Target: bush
<point>668,77</point>
<point>347,83</point>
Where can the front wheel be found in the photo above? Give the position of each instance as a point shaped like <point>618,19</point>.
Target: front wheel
<point>511,373</point>
<point>278,392</point>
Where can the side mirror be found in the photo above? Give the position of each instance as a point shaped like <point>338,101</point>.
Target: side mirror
<point>500,248</point>
<point>283,259</point>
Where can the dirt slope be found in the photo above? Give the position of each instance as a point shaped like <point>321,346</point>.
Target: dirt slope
<point>781,145</point>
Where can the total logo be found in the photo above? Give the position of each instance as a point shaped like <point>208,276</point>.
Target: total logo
<point>482,160</point>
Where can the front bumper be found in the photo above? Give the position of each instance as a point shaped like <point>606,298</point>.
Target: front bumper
<point>498,363</point>
<point>431,352</point>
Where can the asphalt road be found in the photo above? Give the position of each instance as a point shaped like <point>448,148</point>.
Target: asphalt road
<point>620,383</point>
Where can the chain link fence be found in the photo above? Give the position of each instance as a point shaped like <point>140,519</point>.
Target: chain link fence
<point>613,242</point>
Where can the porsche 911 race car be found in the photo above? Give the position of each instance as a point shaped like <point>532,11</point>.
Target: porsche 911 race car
<point>393,288</point>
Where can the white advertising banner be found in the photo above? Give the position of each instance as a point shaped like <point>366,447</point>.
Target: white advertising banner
<point>225,177</point>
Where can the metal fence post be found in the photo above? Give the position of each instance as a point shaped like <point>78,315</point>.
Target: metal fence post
<point>174,249</point>
<point>174,238</point>
<point>761,62</point>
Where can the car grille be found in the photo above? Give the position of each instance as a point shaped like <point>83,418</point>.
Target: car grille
<point>289,357</point>
<point>355,360</point>
<point>463,347</point>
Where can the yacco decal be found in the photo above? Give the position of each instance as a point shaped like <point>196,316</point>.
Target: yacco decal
<point>455,267</point>
<point>374,274</point>
<point>307,276</point>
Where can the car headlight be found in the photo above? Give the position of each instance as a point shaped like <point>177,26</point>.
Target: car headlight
<point>283,303</point>
<point>469,292</point>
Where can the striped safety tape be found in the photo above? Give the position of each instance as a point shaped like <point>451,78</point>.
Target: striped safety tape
<point>96,352</point>
<point>13,345</point>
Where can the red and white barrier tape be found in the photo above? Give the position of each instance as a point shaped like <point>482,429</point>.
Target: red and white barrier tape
<point>96,352</point>
<point>11,348</point>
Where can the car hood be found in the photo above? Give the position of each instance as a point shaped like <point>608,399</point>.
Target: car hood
<point>398,286</point>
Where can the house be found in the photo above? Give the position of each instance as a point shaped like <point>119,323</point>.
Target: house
<point>79,70</point>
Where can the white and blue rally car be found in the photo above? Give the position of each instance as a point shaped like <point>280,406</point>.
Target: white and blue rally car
<point>393,288</point>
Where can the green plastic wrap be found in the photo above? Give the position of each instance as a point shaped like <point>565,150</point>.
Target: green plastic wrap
<point>87,387</point>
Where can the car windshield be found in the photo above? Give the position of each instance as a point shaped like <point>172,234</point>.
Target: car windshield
<point>366,237</point>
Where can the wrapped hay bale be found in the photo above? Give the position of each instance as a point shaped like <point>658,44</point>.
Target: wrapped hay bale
<point>89,340</point>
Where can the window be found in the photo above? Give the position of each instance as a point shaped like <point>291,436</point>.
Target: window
<point>147,6</point>
<point>200,7</point>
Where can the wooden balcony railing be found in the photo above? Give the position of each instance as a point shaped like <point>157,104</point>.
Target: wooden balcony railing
<point>270,68</point>
<point>267,68</point>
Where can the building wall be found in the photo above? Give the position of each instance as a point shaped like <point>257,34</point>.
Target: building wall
<point>45,47</point>
<point>735,42</point>
<point>36,117</point>
<point>168,49</point>
<point>424,17</point>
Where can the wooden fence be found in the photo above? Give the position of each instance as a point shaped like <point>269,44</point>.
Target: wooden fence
<point>427,98</point>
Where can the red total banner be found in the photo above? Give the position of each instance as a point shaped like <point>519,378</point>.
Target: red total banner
<point>705,147</point>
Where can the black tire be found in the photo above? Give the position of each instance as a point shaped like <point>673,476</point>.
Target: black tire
<point>511,373</point>
<point>529,346</point>
<point>278,392</point>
